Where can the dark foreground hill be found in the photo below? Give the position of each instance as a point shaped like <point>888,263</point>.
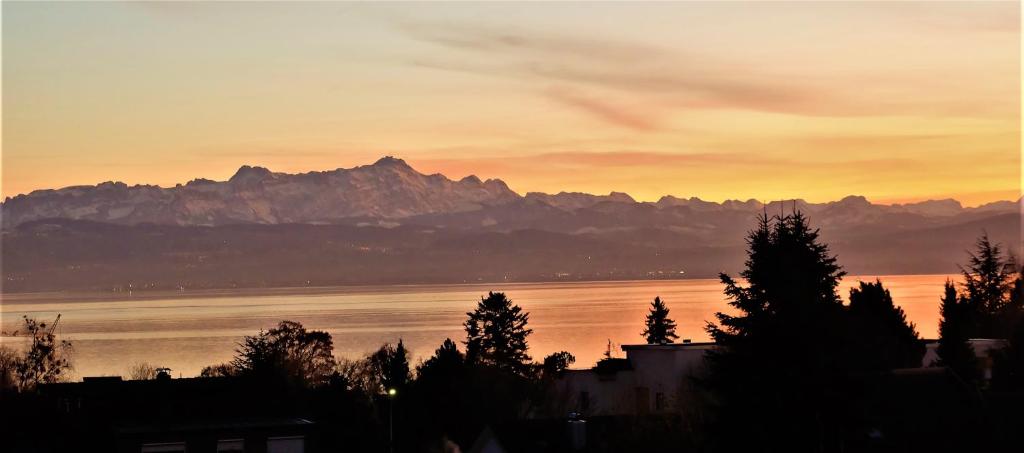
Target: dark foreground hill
<point>65,254</point>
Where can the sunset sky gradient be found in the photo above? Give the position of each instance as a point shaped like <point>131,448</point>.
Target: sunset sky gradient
<point>895,101</point>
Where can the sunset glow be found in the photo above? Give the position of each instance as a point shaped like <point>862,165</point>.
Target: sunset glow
<point>816,100</point>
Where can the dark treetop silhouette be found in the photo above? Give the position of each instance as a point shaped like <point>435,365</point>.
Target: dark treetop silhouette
<point>659,328</point>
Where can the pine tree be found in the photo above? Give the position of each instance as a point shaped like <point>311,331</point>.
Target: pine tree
<point>389,367</point>
<point>954,330</point>
<point>988,287</point>
<point>888,340</point>
<point>496,335</point>
<point>398,376</point>
<point>660,329</point>
<point>446,360</point>
<point>780,370</point>
<point>988,277</point>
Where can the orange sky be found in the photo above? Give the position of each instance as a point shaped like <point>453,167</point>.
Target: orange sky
<point>895,101</point>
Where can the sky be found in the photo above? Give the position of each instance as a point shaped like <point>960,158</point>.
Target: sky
<point>896,101</point>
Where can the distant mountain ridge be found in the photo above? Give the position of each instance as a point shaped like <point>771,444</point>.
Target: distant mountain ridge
<point>387,191</point>
<point>386,223</point>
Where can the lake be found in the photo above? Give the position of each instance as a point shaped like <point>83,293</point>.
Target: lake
<point>187,332</point>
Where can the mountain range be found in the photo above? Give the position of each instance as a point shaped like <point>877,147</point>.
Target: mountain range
<point>387,190</point>
<point>388,223</point>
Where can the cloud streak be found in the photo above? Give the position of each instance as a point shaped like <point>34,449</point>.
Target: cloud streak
<point>529,43</point>
<point>676,79</point>
<point>606,111</point>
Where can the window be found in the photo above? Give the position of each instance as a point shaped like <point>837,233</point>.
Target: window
<point>294,444</point>
<point>167,447</point>
<point>231,446</point>
<point>659,402</point>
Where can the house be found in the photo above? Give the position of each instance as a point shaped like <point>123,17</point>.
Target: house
<point>983,349</point>
<point>657,379</point>
<point>651,379</point>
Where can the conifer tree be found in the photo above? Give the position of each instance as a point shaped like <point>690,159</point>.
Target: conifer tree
<point>780,371</point>
<point>496,335</point>
<point>954,330</point>
<point>659,328</point>
<point>988,277</point>
<point>398,376</point>
<point>989,305</point>
<point>888,341</point>
<point>447,359</point>
<point>389,367</point>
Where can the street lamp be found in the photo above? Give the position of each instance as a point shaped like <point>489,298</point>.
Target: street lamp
<point>391,419</point>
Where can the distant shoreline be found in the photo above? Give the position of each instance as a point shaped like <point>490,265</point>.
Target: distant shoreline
<point>142,295</point>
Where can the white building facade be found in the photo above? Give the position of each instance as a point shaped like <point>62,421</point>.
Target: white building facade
<point>651,379</point>
<point>659,379</point>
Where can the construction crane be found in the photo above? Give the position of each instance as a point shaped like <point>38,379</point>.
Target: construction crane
<point>54,325</point>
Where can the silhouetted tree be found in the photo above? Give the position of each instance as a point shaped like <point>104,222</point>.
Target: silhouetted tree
<point>659,328</point>
<point>391,363</point>
<point>887,339</point>
<point>1008,363</point>
<point>454,398</point>
<point>360,376</point>
<point>955,326</point>
<point>988,288</point>
<point>1017,294</point>
<point>290,351</point>
<point>441,379</point>
<point>781,374</point>
<point>47,359</point>
<point>556,363</point>
<point>989,305</point>
<point>219,370</point>
<point>9,360</point>
<point>608,350</point>
<point>399,375</point>
<point>445,363</point>
<point>142,371</point>
<point>496,335</point>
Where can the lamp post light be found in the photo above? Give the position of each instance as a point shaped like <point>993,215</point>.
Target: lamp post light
<point>391,419</point>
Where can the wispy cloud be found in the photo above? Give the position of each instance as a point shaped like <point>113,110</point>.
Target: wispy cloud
<point>629,68</point>
<point>530,43</point>
<point>675,79</point>
<point>609,112</point>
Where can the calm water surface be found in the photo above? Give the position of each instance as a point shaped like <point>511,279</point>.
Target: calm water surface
<point>186,334</point>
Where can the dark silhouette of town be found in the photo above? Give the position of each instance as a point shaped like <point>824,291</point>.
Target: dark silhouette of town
<point>791,368</point>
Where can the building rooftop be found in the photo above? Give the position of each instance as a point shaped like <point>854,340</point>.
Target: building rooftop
<point>668,346</point>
